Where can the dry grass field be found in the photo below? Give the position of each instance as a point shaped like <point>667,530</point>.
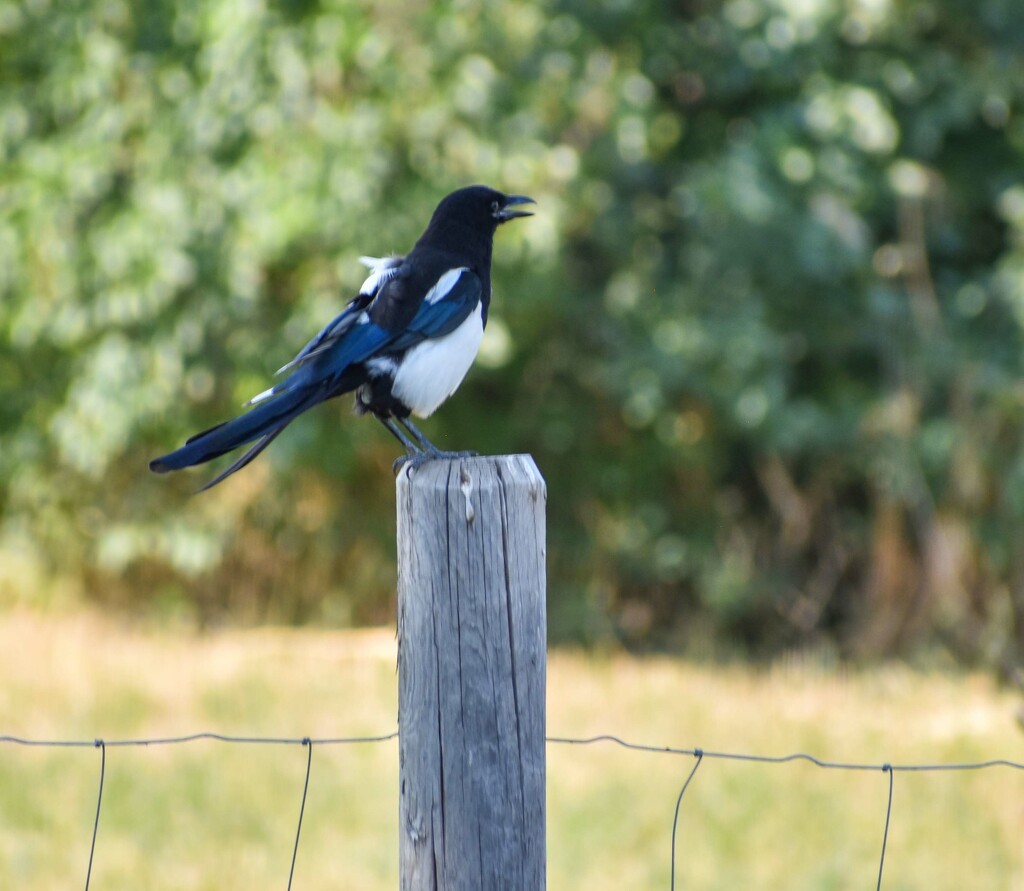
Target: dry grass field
<point>208,815</point>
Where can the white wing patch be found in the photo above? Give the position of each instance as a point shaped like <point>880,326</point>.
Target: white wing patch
<point>382,269</point>
<point>444,285</point>
<point>432,370</point>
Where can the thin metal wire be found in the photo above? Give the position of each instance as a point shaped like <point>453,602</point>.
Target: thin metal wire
<point>302,809</point>
<point>885,835</point>
<point>557,740</point>
<point>784,759</point>
<point>195,737</point>
<point>99,802</point>
<point>675,819</point>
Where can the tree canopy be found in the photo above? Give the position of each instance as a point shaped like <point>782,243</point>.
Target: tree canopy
<point>763,336</point>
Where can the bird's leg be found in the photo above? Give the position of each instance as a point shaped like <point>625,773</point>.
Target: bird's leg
<point>414,453</point>
<point>410,447</point>
<point>424,450</point>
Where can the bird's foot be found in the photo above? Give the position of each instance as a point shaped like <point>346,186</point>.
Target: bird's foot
<point>417,458</point>
<point>468,453</point>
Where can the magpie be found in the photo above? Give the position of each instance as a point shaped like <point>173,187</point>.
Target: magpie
<point>402,345</point>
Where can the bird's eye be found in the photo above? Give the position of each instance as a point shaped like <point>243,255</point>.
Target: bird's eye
<point>495,207</point>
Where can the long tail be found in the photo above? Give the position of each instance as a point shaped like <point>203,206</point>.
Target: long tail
<point>263,423</point>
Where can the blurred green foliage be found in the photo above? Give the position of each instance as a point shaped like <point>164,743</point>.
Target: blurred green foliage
<point>763,336</point>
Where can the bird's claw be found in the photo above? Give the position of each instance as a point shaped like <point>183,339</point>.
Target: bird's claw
<point>410,461</point>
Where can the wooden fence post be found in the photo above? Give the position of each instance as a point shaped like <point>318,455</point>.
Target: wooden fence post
<point>472,664</point>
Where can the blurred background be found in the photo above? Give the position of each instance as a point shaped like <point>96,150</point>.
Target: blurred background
<point>763,336</point>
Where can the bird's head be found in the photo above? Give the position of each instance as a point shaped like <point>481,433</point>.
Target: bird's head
<point>480,208</point>
<point>465,221</point>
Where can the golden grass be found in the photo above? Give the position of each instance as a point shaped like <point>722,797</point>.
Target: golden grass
<point>208,815</point>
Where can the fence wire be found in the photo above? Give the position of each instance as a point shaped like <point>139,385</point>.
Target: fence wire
<point>698,754</point>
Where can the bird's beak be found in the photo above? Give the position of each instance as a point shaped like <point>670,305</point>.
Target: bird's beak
<point>505,214</point>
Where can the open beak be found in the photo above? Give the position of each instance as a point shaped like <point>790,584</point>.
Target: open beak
<point>506,214</point>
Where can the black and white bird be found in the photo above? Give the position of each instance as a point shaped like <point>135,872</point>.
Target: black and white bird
<point>402,345</point>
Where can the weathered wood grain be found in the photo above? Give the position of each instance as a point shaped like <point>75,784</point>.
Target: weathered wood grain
<point>472,639</point>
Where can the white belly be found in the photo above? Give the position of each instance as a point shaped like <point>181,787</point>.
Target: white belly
<point>431,371</point>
